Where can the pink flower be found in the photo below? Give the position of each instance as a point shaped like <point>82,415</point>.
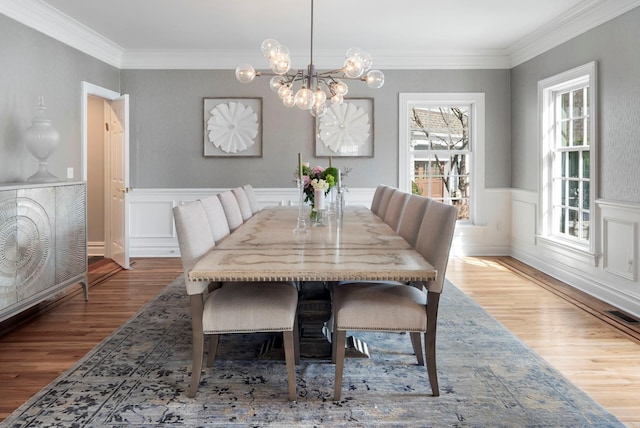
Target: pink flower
<point>317,169</point>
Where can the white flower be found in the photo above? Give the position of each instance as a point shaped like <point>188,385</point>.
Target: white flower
<point>319,184</point>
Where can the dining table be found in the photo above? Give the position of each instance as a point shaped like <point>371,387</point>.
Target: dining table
<point>269,247</point>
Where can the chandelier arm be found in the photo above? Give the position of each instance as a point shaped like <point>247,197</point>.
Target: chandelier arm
<point>324,82</point>
<point>330,73</point>
<point>298,76</point>
<point>271,73</point>
<point>345,77</point>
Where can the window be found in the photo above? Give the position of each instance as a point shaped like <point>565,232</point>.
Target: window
<point>567,106</point>
<point>441,149</point>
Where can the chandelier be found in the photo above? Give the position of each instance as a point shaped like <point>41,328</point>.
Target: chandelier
<point>316,87</point>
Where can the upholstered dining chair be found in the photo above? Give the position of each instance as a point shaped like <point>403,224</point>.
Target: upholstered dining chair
<point>216,216</point>
<point>384,201</point>
<point>394,210</point>
<point>231,209</point>
<point>390,307</point>
<point>245,307</point>
<point>243,202</point>
<point>377,198</point>
<point>253,199</point>
<point>411,218</point>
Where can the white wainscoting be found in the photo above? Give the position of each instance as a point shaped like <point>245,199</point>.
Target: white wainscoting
<point>152,232</point>
<point>151,229</point>
<point>610,275</point>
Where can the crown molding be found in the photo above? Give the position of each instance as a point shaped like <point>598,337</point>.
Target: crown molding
<point>223,59</point>
<point>47,20</point>
<point>578,20</point>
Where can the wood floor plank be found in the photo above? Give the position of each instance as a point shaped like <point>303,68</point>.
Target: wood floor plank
<point>597,357</point>
<point>37,352</point>
<point>600,358</point>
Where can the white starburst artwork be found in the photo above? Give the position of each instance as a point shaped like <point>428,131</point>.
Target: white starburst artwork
<point>232,127</point>
<point>345,128</point>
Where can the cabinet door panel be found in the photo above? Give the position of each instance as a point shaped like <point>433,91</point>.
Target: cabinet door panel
<point>8,248</point>
<point>35,218</point>
<point>71,248</point>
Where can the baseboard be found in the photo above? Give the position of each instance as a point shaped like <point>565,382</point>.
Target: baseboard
<point>95,248</point>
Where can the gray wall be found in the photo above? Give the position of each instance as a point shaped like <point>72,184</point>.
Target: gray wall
<point>167,118</point>
<point>34,65</point>
<point>614,46</point>
<point>167,128</point>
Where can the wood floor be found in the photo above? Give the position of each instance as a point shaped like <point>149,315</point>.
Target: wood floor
<point>600,358</point>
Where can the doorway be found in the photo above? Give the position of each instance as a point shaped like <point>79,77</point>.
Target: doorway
<point>105,157</point>
<point>96,177</point>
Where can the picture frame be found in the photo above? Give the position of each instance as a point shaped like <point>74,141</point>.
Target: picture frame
<point>346,130</point>
<point>232,127</point>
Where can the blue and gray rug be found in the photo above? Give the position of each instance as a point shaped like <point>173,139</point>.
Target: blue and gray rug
<point>138,375</point>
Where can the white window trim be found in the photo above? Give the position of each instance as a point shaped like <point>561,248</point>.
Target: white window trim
<point>546,89</point>
<point>477,117</point>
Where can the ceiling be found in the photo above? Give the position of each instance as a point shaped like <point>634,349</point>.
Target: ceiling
<point>401,34</point>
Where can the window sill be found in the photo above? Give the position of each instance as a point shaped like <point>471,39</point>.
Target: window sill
<point>568,250</point>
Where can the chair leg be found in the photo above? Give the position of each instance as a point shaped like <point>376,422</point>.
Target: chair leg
<point>333,340</point>
<point>213,348</point>
<point>339,337</point>
<point>289,356</point>
<point>198,344</point>
<point>433,300</point>
<point>296,341</point>
<point>416,342</point>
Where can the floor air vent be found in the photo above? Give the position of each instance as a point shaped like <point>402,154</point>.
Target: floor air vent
<point>624,317</point>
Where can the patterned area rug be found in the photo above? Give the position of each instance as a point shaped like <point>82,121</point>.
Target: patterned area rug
<point>137,377</point>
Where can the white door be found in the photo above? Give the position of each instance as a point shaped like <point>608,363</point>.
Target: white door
<point>118,179</point>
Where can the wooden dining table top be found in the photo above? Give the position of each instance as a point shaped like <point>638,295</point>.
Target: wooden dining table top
<point>265,248</point>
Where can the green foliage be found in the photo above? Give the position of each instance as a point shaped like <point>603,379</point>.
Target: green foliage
<point>330,175</point>
<point>414,188</point>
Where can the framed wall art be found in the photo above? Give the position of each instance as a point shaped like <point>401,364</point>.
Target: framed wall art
<point>346,130</point>
<point>233,127</point>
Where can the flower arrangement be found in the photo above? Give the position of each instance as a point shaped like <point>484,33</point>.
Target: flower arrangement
<point>317,177</point>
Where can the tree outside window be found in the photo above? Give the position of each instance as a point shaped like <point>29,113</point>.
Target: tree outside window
<point>440,151</point>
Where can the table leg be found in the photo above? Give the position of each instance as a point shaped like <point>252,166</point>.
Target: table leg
<point>314,312</point>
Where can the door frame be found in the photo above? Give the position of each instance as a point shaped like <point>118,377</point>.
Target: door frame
<point>108,95</point>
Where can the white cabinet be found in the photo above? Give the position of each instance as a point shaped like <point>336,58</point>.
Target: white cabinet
<point>43,242</point>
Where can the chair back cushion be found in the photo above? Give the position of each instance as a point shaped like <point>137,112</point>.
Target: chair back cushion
<point>231,209</point>
<point>217,218</point>
<point>243,202</point>
<point>411,218</point>
<point>194,238</point>
<point>384,202</point>
<point>377,197</point>
<point>395,209</point>
<point>253,199</point>
<point>434,239</point>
